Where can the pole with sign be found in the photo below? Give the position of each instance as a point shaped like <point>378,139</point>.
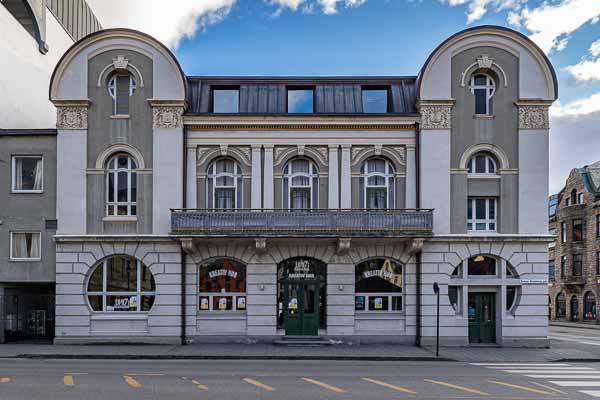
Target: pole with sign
<point>436,290</point>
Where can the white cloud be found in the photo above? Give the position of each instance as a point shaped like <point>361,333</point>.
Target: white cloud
<point>595,48</point>
<point>576,108</point>
<point>478,8</point>
<point>588,69</point>
<point>291,4</point>
<point>552,23</point>
<point>330,6</point>
<point>168,21</point>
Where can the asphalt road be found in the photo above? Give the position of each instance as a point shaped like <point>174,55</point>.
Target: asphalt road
<point>247,380</point>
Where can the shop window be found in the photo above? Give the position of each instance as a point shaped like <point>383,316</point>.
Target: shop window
<point>379,286</point>
<point>121,284</point>
<point>481,265</point>
<point>377,185</point>
<point>511,297</point>
<point>577,230</point>
<point>27,176</point>
<point>224,184</point>
<point>481,214</point>
<point>455,297</point>
<point>589,312</point>
<point>25,246</point>
<point>222,285</point>
<point>482,164</point>
<point>300,184</point>
<point>574,308</point>
<point>121,186</point>
<point>121,86</point>
<point>561,306</point>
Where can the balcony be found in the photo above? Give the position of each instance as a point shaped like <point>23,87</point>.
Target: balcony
<point>302,223</point>
<point>574,280</point>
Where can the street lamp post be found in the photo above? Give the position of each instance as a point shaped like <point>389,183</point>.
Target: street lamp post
<point>436,290</point>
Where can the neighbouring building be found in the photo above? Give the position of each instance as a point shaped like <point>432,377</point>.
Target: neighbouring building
<point>35,34</point>
<point>208,208</point>
<point>574,256</point>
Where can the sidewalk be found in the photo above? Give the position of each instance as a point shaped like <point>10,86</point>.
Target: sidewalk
<point>566,324</point>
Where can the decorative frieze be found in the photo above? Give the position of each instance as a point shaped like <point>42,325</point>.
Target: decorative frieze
<point>72,114</point>
<point>436,116</point>
<point>533,116</point>
<point>167,114</point>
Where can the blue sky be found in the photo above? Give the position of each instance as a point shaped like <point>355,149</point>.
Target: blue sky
<point>379,37</point>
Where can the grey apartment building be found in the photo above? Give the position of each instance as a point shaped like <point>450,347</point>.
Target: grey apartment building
<point>197,209</point>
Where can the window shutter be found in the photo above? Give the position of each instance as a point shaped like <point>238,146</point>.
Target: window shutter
<point>122,94</point>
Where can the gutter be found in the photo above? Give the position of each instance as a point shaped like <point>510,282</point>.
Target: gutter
<point>418,322</point>
<point>183,255</point>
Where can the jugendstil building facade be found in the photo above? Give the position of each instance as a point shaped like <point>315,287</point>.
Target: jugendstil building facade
<point>213,208</point>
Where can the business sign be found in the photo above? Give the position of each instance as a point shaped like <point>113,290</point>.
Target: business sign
<point>534,281</point>
<point>301,270</point>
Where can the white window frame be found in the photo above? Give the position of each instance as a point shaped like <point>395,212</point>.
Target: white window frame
<point>14,172</point>
<point>313,172</point>
<point>387,175</point>
<point>489,87</point>
<point>114,171</point>
<point>488,159</point>
<point>112,88</point>
<point>105,293</point>
<point>212,174</point>
<point>472,221</point>
<point>11,239</point>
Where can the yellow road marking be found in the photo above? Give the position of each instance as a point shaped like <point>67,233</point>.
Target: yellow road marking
<point>389,386</point>
<point>324,385</point>
<point>258,384</point>
<point>527,389</point>
<point>549,388</point>
<point>143,374</point>
<point>199,385</point>
<point>132,382</point>
<point>457,387</point>
<point>68,380</point>
<point>4,380</point>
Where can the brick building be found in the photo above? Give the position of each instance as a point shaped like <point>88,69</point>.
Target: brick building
<point>574,257</point>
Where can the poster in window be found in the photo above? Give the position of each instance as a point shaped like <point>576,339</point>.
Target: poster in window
<point>293,304</point>
<point>241,303</point>
<point>359,303</point>
<point>378,303</point>
<point>223,303</point>
<point>204,303</point>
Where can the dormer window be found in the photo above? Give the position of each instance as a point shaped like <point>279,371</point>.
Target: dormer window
<point>482,163</point>
<point>121,86</point>
<point>375,100</point>
<point>483,88</point>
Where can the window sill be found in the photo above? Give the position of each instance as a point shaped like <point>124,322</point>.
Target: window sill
<point>483,176</point>
<point>26,191</point>
<point>483,116</point>
<point>379,314</point>
<point>24,259</point>
<point>122,315</point>
<point>120,116</point>
<point>120,219</point>
<point>221,315</point>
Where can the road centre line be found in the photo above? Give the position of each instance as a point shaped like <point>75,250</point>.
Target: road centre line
<point>132,382</point>
<point>548,387</point>
<point>258,384</point>
<point>68,380</point>
<point>519,387</point>
<point>457,387</point>
<point>4,380</point>
<point>324,385</point>
<point>144,374</point>
<point>199,385</point>
<point>389,386</point>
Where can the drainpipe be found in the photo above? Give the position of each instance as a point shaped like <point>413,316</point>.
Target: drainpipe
<point>183,255</point>
<point>418,254</point>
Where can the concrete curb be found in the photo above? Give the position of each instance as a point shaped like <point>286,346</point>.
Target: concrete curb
<point>578,325</point>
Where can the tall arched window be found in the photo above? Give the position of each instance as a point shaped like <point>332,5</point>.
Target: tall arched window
<point>574,308</point>
<point>483,88</point>
<point>301,184</point>
<point>589,305</point>
<point>121,86</point>
<point>561,306</point>
<point>377,184</point>
<point>482,163</point>
<point>121,185</point>
<point>121,283</point>
<point>224,184</point>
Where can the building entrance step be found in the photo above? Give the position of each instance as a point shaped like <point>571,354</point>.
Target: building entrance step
<point>302,341</point>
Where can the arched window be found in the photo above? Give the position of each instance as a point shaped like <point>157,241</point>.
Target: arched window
<point>573,197</point>
<point>378,285</point>
<point>121,283</point>
<point>121,86</point>
<point>301,184</point>
<point>561,306</point>
<point>482,163</point>
<point>589,312</point>
<point>224,184</point>
<point>377,184</point>
<point>574,308</point>
<point>483,88</point>
<point>482,265</point>
<point>121,185</point>
<point>511,297</point>
<point>222,285</point>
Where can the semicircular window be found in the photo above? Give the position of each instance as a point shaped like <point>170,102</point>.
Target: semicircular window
<point>121,284</point>
<point>379,283</point>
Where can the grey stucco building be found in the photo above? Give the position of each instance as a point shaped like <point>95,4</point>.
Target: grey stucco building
<point>198,208</point>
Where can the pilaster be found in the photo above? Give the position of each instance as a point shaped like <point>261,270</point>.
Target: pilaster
<point>268,186</point>
<point>346,181</point>
<point>334,178</point>
<point>256,190</point>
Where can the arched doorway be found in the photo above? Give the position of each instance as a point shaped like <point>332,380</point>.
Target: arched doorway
<point>589,307</point>
<point>301,295</point>
<point>574,308</point>
<point>561,306</point>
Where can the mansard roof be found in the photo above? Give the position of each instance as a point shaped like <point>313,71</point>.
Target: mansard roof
<point>590,174</point>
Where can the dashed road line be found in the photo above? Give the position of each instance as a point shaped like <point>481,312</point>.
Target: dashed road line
<point>4,380</point>
<point>199,385</point>
<point>389,386</point>
<point>132,382</point>
<point>519,387</point>
<point>68,380</point>
<point>549,388</point>
<point>324,385</point>
<point>457,387</point>
<point>258,384</point>
<point>593,393</point>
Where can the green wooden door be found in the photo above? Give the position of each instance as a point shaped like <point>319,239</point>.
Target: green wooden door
<point>301,308</point>
<point>482,318</point>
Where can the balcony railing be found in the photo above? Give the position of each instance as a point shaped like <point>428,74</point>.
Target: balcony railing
<point>285,222</point>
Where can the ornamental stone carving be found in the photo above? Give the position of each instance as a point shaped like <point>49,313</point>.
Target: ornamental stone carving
<point>437,116</point>
<point>72,117</point>
<point>533,117</point>
<point>167,117</point>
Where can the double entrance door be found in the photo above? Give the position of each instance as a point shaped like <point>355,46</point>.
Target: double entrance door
<point>482,318</point>
<point>301,307</point>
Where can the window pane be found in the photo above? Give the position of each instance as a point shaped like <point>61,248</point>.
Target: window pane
<point>133,187</point>
<point>95,283</point>
<point>396,303</point>
<point>300,101</point>
<point>380,275</point>
<point>492,208</point>
<point>300,181</point>
<point>111,187</point>
<point>204,303</point>
<point>511,294</point>
<point>147,303</point>
<point>376,165</point>
<point>147,280</point>
<point>121,274</point>
<point>122,96</point>
<point>122,210</point>
<point>480,101</point>
<point>359,303</point>
<point>480,164</point>
<point>224,198</point>
<point>378,303</point>
<point>482,265</point>
<point>480,80</point>
<point>240,303</point>
<point>28,173</point>
<point>122,187</point>
<point>222,275</point>
<point>95,302</point>
<point>491,166</point>
<point>223,303</point>
<point>300,165</point>
<point>300,198</point>
<point>121,303</point>
<point>375,100</point>
<point>226,100</point>
<point>376,181</point>
<point>453,296</point>
<point>26,245</point>
<point>480,209</point>
<point>376,198</point>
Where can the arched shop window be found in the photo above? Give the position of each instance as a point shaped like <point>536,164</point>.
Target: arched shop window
<point>482,265</point>
<point>222,285</point>
<point>574,308</point>
<point>561,306</point>
<point>378,286</point>
<point>121,284</point>
<point>589,312</point>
